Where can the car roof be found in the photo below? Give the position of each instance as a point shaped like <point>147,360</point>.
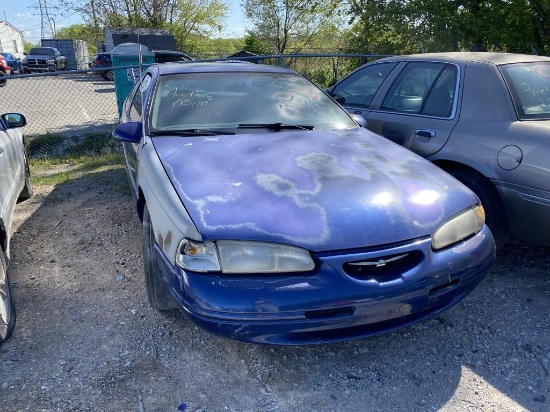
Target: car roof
<point>169,52</point>
<point>486,57</point>
<point>219,67</point>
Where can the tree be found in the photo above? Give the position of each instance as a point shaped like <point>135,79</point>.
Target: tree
<point>79,31</point>
<point>405,26</point>
<point>254,44</point>
<point>186,19</point>
<point>283,23</point>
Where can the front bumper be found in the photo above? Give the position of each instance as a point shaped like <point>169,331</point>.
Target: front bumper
<point>329,305</point>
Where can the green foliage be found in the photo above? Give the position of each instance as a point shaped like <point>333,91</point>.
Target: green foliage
<point>187,20</point>
<point>92,144</point>
<point>28,45</point>
<point>401,27</point>
<point>59,146</point>
<point>49,143</point>
<point>254,44</point>
<point>84,32</point>
<point>289,24</point>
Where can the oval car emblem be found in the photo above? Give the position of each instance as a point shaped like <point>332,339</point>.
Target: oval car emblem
<point>379,262</point>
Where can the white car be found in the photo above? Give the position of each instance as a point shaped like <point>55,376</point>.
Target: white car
<point>15,185</point>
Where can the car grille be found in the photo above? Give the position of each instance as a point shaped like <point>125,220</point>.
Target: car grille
<point>37,61</point>
<point>383,268</point>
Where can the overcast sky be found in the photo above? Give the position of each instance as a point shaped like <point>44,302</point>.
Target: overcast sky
<point>25,16</point>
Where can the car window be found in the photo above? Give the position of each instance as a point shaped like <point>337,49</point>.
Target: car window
<point>423,88</point>
<point>136,108</point>
<point>211,100</point>
<point>358,89</point>
<point>529,84</point>
<point>42,50</point>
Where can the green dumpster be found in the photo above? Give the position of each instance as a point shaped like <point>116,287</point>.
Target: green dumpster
<point>124,55</point>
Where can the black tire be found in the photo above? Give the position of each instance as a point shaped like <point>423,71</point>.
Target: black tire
<point>495,216</point>
<point>7,309</point>
<point>157,292</point>
<point>27,191</point>
<point>3,80</point>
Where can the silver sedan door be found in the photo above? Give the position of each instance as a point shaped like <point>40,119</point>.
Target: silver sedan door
<point>419,109</point>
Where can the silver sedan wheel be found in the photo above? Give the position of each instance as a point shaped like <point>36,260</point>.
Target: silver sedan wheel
<point>7,310</point>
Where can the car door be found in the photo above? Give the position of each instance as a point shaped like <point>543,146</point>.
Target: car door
<point>419,109</point>
<point>9,168</point>
<point>356,91</point>
<point>133,111</point>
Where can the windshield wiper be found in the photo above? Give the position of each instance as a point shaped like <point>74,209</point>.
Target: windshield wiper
<point>190,132</point>
<point>275,126</point>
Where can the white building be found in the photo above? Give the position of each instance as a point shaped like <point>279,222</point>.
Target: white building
<point>11,39</point>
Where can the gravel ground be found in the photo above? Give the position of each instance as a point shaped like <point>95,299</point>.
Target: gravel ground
<point>86,339</point>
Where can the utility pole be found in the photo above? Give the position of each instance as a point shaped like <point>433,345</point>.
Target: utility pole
<point>47,21</point>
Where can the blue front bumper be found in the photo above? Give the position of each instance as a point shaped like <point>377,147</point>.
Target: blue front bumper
<point>332,304</point>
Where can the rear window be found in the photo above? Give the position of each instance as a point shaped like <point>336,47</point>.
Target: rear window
<point>529,85</point>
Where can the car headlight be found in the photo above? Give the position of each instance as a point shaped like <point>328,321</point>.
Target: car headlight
<point>229,256</point>
<point>459,227</point>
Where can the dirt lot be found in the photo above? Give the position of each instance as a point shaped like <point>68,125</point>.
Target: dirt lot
<point>86,339</point>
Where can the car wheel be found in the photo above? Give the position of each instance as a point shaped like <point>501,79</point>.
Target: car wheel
<point>7,309</point>
<point>3,81</point>
<point>157,292</point>
<point>27,191</point>
<point>109,75</point>
<point>495,216</point>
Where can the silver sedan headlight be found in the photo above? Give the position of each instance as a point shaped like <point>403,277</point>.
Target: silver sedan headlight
<point>459,227</point>
<point>230,256</point>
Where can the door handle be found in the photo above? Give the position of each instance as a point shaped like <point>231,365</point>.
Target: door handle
<point>425,133</point>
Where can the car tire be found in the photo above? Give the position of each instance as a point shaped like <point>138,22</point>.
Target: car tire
<point>7,308</point>
<point>495,216</point>
<point>3,81</point>
<point>27,191</point>
<point>157,292</point>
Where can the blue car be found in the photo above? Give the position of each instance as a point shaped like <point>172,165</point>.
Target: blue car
<point>270,215</point>
<point>14,62</point>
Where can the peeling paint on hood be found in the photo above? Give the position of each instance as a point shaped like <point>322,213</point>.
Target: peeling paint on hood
<point>320,190</point>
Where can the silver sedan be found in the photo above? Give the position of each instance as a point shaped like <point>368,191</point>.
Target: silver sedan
<point>482,117</point>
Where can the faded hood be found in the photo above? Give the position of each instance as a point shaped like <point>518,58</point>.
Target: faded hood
<point>318,190</point>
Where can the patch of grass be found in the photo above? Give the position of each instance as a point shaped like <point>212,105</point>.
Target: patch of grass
<point>52,171</point>
<point>50,143</point>
<point>57,145</point>
<point>92,144</point>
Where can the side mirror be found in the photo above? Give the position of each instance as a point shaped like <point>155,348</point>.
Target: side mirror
<point>360,119</point>
<point>129,132</point>
<point>13,120</point>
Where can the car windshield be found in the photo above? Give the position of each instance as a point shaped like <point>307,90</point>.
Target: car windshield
<point>243,102</point>
<point>41,50</point>
<point>529,85</point>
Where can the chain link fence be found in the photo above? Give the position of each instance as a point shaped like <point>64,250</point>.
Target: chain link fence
<point>74,112</point>
<point>67,112</point>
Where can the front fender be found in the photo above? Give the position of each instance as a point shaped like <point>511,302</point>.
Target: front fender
<point>170,219</point>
